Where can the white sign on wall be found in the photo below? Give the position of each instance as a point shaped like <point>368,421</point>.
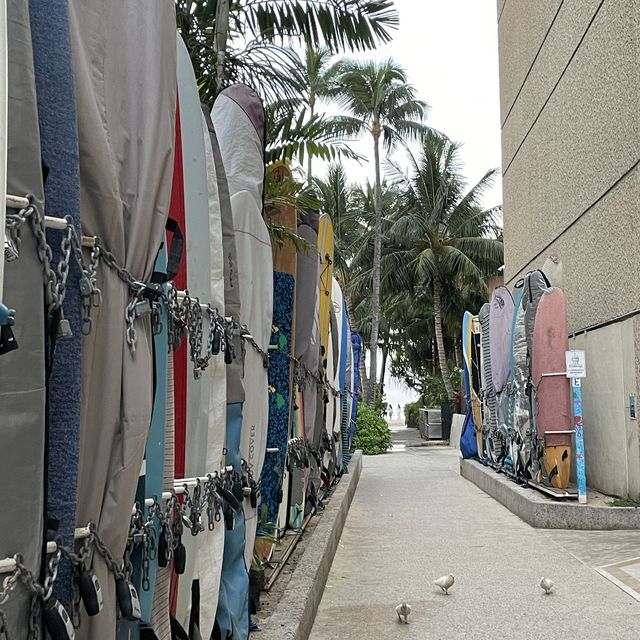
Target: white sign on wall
<point>576,364</point>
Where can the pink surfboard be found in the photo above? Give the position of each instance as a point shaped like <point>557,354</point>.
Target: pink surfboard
<point>553,393</point>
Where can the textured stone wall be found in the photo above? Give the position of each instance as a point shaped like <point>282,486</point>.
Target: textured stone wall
<point>570,114</point>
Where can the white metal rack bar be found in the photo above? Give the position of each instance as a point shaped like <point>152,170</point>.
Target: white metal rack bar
<point>183,294</point>
<point>179,486</point>
<point>7,565</point>
<point>51,222</point>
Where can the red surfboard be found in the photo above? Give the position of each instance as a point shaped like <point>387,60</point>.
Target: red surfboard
<point>177,213</point>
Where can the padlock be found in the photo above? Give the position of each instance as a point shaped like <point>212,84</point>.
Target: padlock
<point>179,559</point>
<point>86,288</point>
<point>128,601</point>
<point>8,341</point>
<point>228,351</point>
<point>253,496</point>
<point>215,345</point>
<point>57,621</point>
<point>163,548</point>
<point>142,308</point>
<point>229,518</point>
<point>10,250</point>
<point>90,592</point>
<point>238,491</point>
<point>64,329</point>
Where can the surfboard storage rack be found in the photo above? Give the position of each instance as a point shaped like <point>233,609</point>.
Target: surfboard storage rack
<point>7,565</point>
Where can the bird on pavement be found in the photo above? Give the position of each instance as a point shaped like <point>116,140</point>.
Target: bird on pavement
<point>547,585</point>
<point>403,610</point>
<point>445,583</point>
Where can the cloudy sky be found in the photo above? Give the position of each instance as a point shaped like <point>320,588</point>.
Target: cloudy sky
<point>449,49</point>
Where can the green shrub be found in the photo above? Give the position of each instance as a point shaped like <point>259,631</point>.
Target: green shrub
<point>412,414</point>
<point>372,432</point>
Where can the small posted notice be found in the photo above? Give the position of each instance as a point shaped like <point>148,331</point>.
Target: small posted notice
<point>576,364</point>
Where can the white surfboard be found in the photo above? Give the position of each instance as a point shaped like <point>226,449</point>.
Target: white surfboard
<point>337,300</point>
<point>238,110</point>
<point>204,393</point>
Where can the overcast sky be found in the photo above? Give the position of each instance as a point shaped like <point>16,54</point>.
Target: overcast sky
<point>449,49</point>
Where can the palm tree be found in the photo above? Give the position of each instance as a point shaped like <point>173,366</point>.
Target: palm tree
<point>340,201</point>
<point>240,40</point>
<point>383,104</point>
<point>319,73</point>
<point>452,239</point>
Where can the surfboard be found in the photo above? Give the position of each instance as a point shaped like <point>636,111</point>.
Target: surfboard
<point>177,212</point>
<point>356,341</point>
<point>280,372</point>
<point>233,595</point>
<point>325,250</point>
<point>204,402</point>
<point>151,482</point>
<point>469,431</point>
<point>22,397</point>
<point>489,423</point>
<point>476,381</point>
<point>348,397</point>
<point>333,405</point>
<point>57,117</point>
<point>212,543</point>
<point>345,373</point>
<point>500,326</point>
<point>307,350</point>
<point>535,284</point>
<point>126,157</point>
<point>238,118</point>
<point>553,393</point>
<point>518,404</point>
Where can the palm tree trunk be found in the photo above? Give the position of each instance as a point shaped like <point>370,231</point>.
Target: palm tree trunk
<point>377,251</point>
<point>456,347</point>
<point>364,382</point>
<point>442,356</point>
<point>220,42</point>
<point>309,159</point>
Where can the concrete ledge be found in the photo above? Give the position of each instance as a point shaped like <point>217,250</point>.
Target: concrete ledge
<point>545,513</point>
<point>294,615</point>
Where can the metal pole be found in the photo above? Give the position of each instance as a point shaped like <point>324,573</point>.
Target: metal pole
<point>576,394</point>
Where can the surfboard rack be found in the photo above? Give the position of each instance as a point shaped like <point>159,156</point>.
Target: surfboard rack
<point>7,565</point>
<point>51,222</point>
<point>179,487</point>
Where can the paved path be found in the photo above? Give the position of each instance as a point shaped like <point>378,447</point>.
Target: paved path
<point>414,518</point>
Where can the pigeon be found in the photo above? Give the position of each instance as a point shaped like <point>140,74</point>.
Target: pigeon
<point>403,610</point>
<point>547,585</point>
<point>445,583</point>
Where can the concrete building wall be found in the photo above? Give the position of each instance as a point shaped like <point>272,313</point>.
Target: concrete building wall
<point>570,110</point>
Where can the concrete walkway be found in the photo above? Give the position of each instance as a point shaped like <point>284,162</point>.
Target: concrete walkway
<point>414,518</point>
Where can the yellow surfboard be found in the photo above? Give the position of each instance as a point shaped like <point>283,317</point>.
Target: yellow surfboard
<point>325,251</point>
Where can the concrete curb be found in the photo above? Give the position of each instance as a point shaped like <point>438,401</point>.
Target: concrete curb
<point>294,615</point>
<point>544,513</point>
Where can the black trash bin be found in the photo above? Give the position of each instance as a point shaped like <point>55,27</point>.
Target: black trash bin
<point>446,418</point>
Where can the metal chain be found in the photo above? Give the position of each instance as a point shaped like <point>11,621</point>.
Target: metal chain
<point>103,550</point>
<point>8,585</point>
